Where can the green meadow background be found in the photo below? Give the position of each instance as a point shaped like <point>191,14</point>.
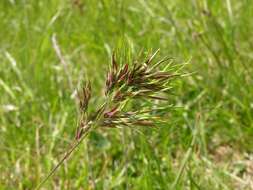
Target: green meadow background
<point>207,143</point>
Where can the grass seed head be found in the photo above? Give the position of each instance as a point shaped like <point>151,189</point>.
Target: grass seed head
<point>136,82</point>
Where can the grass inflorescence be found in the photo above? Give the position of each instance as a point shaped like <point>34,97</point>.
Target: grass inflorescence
<point>126,84</point>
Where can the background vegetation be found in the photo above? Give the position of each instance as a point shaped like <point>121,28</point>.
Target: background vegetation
<point>214,105</point>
